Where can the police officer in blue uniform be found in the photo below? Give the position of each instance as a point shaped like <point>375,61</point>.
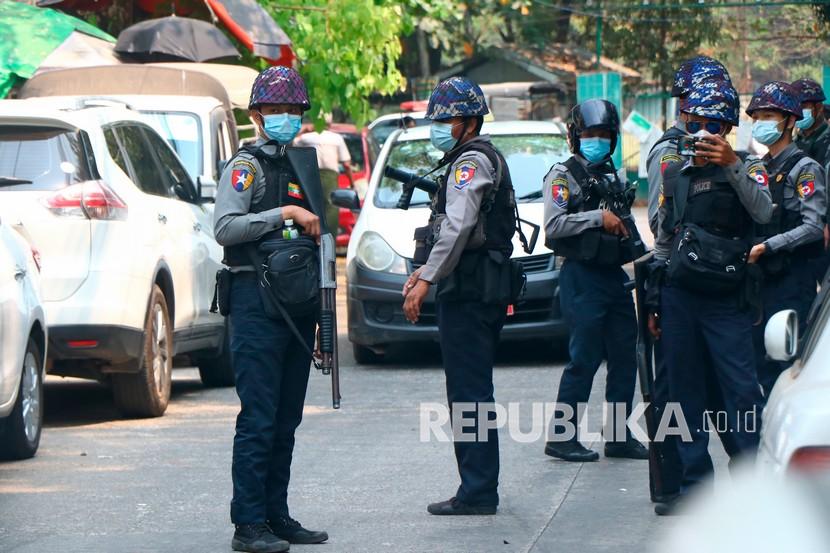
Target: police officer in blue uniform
<point>472,225</point>
<point>795,235</point>
<point>813,138</point>
<point>691,74</point>
<point>711,202</point>
<point>582,227</point>
<point>257,193</point>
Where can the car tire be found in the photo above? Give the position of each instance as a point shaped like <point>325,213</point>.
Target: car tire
<point>217,371</point>
<point>146,393</point>
<point>365,356</point>
<point>20,431</point>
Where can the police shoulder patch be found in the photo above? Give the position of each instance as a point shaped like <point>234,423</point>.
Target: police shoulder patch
<point>464,173</point>
<point>668,159</point>
<point>759,173</point>
<point>559,192</point>
<point>242,175</point>
<point>806,185</point>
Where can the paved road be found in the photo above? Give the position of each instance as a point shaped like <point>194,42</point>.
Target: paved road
<point>102,484</point>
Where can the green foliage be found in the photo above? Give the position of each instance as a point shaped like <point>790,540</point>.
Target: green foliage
<point>347,50</point>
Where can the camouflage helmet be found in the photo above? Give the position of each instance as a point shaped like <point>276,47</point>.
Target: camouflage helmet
<point>696,71</point>
<point>809,90</point>
<point>456,97</point>
<point>778,96</point>
<point>717,100</point>
<point>279,85</point>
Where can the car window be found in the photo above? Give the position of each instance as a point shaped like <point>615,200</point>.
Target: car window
<point>355,145</point>
<point>40,158</point>
<point>383,129</point>
<point>817,321</point>
<point>183,132</point>
<point>137,151</point>
<point>172,171</point>
<point>529,157</point>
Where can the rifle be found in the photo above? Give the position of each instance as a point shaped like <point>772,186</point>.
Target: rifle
<point>328,315</point>
<point>645,369</point>
<point>410,182</point>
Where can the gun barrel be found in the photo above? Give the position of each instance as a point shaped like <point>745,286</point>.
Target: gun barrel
<point>328,315</point>
<point>410,182</point>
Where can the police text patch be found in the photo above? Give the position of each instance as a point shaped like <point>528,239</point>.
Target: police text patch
<point>806,185</point>
<point>559,192</point>
<point>464,173</point>
<point>242,175</point>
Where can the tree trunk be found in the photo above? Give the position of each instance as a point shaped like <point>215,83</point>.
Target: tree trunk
<point>562,23</point>
<point>423,52</point>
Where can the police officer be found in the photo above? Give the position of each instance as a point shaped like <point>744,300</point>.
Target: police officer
<point>257,193</point>
<point>473,213</point>
<point>710,204</point>
<point>795,235</point>
<point>813,137</point>
<point>581,227</point>
<point>689,75</point>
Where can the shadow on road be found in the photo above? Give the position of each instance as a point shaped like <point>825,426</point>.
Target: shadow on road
<point>75,402</point>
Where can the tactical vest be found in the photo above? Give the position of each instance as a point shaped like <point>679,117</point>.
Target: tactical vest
<point>281,188</point>
<point>706,199</point>
<point>820,147</point>
<point>596,246</point>
<point>497,217</point>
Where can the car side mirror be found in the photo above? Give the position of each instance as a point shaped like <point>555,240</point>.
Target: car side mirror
<point>206,188</point>
<point>781,336</point>
<point>345,198</point>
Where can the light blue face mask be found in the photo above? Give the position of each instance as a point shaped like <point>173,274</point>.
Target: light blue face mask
<point>440,134</point>
<point>766,132</point>
<point>806,121</point>
<point>595,149</point>
<point>282,127</point>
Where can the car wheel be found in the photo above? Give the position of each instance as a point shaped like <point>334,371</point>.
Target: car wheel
<point>365,356</point>
<point>217,371</point>
<point>146,393</point>
<point>20,436</point>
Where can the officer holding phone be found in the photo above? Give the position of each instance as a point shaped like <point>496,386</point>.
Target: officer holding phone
<point>711,202</point>
<point>795,235</point>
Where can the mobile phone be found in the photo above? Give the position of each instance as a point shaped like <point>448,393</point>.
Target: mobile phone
<point>686,145</point>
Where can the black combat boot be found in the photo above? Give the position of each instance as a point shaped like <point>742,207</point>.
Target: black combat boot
<point>630,449</point>
<point>257,538</point>
<point>454,506</point>
<point>292,531</point>
<point>572,451</point>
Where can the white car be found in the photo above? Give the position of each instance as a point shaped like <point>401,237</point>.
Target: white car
<point>380,252</point>
<point>795,434</point>
<point>127,247</point>
<point>22,345</point>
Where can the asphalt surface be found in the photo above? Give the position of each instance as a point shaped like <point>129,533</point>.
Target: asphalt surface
<point>103,484</point>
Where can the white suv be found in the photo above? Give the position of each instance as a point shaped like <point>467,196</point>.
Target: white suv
<point>127,247</point>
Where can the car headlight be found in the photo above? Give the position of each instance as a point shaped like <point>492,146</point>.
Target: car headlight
<point>376,255</point>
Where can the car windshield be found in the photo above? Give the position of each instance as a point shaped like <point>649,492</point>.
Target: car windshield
<point>182,131</point>
<point>40,158</point>
<point>529,157</point>
<point>384,129</point>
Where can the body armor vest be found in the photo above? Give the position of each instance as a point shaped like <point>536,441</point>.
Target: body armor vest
<point>281,188</point>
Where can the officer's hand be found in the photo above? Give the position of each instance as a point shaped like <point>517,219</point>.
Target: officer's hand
<point>715,149</point>
<point>414,300</point>
<point>654,326</point>
<point>411,281</point>
<point>306,219</point>
<point>613,224</point>
<point>757,251</point>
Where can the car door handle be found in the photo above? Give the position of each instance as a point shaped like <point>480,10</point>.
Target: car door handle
<point>162,218</point>
<point>197,227</point>
<point>19,273</point>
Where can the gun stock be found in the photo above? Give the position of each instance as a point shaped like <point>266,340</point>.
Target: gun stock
<point>328,315</point>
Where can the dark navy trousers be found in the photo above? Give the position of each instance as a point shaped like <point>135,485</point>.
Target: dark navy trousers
<point>796,289</point>
<point>704,333</point>
<point>603,325</point>
<point>272,373</point>
<point>469,333</point>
